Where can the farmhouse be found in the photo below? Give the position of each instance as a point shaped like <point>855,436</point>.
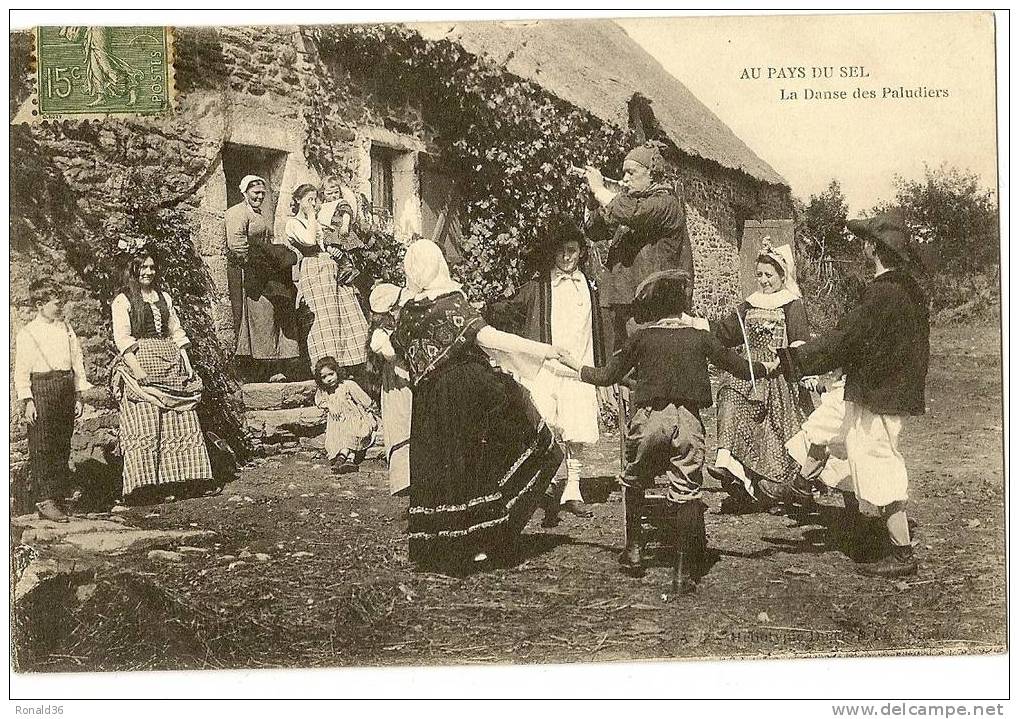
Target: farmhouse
<point>461,132</point>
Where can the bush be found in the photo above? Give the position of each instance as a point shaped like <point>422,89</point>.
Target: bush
<point>953,297</point>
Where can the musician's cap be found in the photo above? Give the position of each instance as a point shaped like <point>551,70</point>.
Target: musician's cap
<point>647,155</point>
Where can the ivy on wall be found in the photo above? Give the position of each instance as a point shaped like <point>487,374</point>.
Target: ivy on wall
<point>509,143</point>
<point>81,188</point>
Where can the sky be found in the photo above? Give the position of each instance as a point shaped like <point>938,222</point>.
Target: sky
<point>863,143</point>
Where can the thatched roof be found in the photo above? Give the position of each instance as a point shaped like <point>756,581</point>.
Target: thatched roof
<point>595,65</point>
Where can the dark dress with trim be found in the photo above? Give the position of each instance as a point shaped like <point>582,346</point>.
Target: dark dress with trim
<point>480,456</point>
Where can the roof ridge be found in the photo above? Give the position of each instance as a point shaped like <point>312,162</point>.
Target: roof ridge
<point>583,78</point>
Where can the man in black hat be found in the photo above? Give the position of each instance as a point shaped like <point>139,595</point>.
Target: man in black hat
<point>884,347</point>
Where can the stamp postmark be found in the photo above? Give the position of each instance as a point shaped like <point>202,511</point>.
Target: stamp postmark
<point>101,71</point>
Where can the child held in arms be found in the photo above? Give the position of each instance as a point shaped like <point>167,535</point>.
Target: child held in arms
<point>669,357</point>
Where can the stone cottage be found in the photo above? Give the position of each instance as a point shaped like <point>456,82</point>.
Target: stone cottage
<point>280,103</point>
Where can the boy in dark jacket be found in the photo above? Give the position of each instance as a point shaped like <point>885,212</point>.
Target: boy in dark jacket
<point>665,436</point>
<point>884,347</point>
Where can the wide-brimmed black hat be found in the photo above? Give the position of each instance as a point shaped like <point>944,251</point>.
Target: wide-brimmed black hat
<point>561,228</point>
<point>889,229</point>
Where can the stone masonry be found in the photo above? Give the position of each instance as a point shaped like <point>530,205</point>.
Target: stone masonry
<point>252,87</point>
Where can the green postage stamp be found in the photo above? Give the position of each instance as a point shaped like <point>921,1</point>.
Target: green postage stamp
<point>101,71</point>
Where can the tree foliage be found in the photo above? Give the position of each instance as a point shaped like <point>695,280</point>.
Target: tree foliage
<point>830,261</point>
<point>954,220</point>
<point>951,213</point>
<point>821,225</point>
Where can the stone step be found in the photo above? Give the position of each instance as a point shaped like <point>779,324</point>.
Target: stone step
<point>277,395</point>
<point>278,425</point>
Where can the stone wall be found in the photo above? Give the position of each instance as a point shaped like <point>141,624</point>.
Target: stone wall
<point>273,74</point>
<point>253,87</point>
<point>242,86</point>
<point>718,201</point>
<point>267,88</point>
<point>235,85</point>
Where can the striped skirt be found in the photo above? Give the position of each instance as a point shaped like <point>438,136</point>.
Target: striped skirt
<point>160,437</point>
<point>338,326</point>
<point>49,437</point>
<point>480,461</point>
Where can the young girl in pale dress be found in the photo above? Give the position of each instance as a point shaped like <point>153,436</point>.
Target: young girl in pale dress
<point>350,425</point>
<point>396,395</point>
<point>560,306</point>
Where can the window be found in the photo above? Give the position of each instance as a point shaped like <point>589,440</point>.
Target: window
<point>388,173</point>
<point>382,179</point>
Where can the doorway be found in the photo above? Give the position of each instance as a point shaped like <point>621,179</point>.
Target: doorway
<point>241,160</point>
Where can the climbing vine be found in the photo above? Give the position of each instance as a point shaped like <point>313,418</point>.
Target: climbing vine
<point>510,144</point>
<point>81,189</point>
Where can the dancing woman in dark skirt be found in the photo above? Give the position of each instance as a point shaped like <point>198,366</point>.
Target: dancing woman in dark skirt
<point>480,456</point>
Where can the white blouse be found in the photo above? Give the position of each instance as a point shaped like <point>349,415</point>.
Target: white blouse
<point>304,233</point>
<point>122,337</point>
<point>43,346</point>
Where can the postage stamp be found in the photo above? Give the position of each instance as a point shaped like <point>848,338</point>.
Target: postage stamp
<point>100,71</point>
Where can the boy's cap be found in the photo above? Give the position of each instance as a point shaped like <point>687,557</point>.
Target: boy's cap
<point>661,294</point>
<point>888,229</point>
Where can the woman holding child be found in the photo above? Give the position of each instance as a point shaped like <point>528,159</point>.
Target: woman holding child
<point>757,417</point>
<point>339,328</point>
<point>481,458</point>
<point>162,442</point>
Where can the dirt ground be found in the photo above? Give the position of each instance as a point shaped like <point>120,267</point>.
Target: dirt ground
<point>337,589</point>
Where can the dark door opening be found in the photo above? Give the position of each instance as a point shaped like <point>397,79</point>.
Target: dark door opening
<point>440,216</point>
<point>241,160</point>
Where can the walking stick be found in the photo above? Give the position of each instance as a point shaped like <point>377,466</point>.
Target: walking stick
<point>746,344</point>
<point>620,424</point>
